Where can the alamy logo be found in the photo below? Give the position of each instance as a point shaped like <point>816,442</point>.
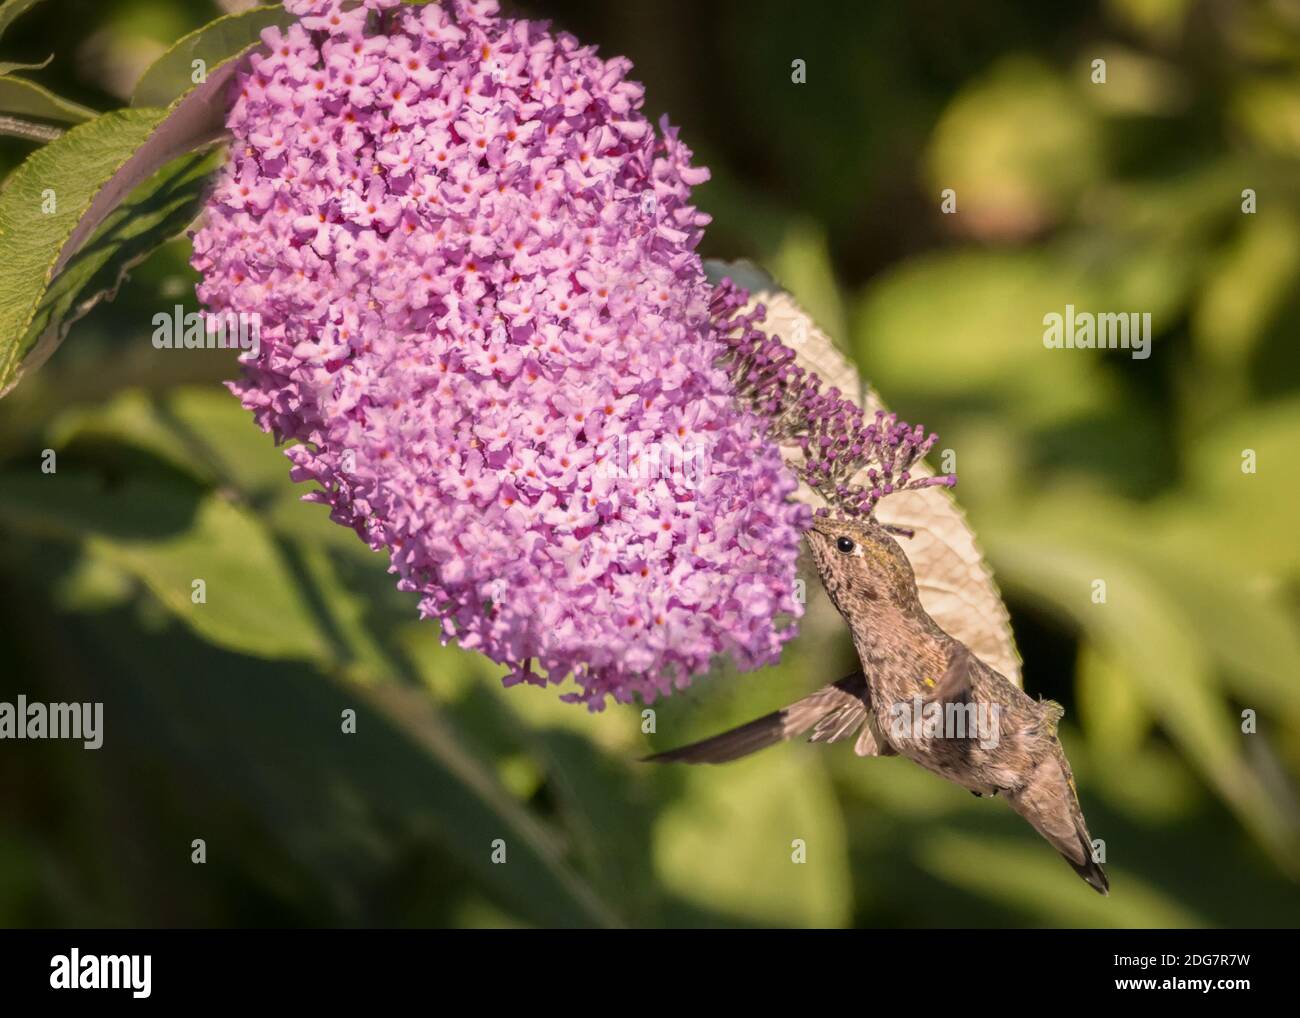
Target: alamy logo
<point>207,331</point>
<point>75,971</point>
<point>687,464</point>
<point>918,719</point>
<point>1084,330</point>
<point>78,721</point>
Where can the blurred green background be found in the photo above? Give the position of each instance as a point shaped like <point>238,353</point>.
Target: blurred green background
<point>223,720</point>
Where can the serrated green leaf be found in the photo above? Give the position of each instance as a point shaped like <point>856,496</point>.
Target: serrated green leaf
<point>28,99</point>
<point>158,210</point>
<point>171,74</point>
<point>88,171</point>
<point>45,202</point>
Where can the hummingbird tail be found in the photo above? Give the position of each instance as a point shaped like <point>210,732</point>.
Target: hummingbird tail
<point>1049,802</point>
<point>1092,873</point>
<point>835,711</point>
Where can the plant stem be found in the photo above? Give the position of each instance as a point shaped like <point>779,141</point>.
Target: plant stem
<point>26,129</point>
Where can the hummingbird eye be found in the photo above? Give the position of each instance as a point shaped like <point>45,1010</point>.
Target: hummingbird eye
<point>845,544</point>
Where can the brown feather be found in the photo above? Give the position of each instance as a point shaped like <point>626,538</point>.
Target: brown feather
<point>833,712</point>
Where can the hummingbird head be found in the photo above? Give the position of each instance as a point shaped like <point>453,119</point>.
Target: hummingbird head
<point>863,569</point>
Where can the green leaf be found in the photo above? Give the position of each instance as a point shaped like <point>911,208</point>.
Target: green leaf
<point>26,98</point>
<point>347,808</point>
<point>803,265</point>
<point>270,596</point>
<point>11,10</point>
<point>1246,505</point>
<point>1023,875</point>
<point>729,843</point>
<point>168,534</point>
<point>1110,707</point>
<point>1240,616</point>
<point>546,881</point>
<point>1017,147</point>
<point>969,324</point>
<point>206,435</point>
<point>1054,558</point>
<point>1254,279</point>
<point>158,210</point>
<point>203,432</point>
<point>89,171</point>
<point>171,74</point>
<point>46,204</point>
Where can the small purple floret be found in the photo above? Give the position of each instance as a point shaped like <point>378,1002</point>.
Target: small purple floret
<point>831,431</point>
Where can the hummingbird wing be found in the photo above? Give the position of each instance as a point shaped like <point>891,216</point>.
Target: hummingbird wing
<point>955,685</point>
<point>842,721</point>
<point>833,712</point>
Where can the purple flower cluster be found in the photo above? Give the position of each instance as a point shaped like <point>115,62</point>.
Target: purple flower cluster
<point>835,442</point>
<point>485,325</point>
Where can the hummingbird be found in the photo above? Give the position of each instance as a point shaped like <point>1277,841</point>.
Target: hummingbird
<point>912,671</point>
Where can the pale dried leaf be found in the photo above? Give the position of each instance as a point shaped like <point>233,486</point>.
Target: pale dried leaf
<point>955,583</point>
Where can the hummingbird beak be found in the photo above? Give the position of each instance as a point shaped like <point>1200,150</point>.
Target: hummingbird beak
<point>819,541</point>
